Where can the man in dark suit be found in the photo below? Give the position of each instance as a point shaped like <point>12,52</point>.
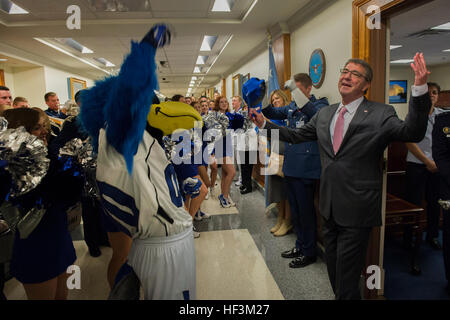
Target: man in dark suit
<point>441,155</point>
<point>352,137</point>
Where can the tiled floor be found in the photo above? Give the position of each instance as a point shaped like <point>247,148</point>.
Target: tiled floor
<point>237,258</point>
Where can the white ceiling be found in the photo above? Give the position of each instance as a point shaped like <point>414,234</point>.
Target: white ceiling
<point>109,34</point>
<point>417,20</point>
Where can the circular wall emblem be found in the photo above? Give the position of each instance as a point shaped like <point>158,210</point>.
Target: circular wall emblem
<point>317,68</point>
<point>446,130</point>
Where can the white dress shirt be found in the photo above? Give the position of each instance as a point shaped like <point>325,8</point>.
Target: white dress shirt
<point>348,116</point>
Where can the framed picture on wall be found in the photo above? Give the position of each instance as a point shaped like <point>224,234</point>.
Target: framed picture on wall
<point>398,91</point>
<point>2,78</point>
<point>245,78</point>
<point>236,85</point>
<point>75,85</point>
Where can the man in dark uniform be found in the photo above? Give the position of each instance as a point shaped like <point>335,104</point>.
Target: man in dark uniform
<point>441,155</point>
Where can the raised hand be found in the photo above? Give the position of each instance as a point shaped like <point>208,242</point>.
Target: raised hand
<point>257,118</point>
<point>420,70</point>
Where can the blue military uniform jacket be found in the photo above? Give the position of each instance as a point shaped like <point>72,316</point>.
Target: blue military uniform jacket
<point>300,160</point>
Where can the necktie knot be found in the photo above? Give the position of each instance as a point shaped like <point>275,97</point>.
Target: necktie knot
<point>343,111</point>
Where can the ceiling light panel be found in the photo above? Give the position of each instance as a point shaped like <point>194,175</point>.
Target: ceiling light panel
<point>105,62</point>
<point>222,5</point>
<point>447,50</point>
<point>197,70</point>
<point>201,59</point>
<point>208,43</point>
<point>393,47</point>
<point>445,26</point>
<point>11,8</point>
<point>51,45</point>
<point>69,42</point>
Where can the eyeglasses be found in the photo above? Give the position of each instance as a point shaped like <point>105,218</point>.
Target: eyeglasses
<point>345,71</point>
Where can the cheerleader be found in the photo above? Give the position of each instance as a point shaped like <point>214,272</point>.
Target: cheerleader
<point>40,260</point>
<point>224,151</point>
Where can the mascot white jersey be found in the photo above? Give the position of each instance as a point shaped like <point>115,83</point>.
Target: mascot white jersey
<point>147,203</point>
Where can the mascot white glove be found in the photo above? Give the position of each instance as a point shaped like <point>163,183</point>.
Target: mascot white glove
<point>297,95</point>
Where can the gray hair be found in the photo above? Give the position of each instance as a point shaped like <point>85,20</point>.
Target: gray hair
<point>369,73</point>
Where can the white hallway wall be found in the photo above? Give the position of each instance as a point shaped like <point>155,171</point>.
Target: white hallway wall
<point>330,30</point>
<point>56,81</point>
<point>30,83</point>
<point>258,67</point>
<point>9,76</point>
<point>33,83</point>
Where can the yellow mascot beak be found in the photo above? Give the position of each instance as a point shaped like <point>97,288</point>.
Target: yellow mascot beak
<point>170,116</point>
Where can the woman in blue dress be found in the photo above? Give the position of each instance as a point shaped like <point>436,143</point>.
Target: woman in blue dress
<point>40,261</point>
<point>224,151</point>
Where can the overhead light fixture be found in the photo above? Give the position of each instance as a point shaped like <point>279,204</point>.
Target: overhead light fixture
<point>74,45</point>
<point>400,61</point>
<point>208,43</point>
<point>393,47</point>
<point>201,59</point>
<point>445,26</point>
<point>105,62</point>
<point>197,70</point>
<point>11,8</point>
<point>70,54</point>
<point>250,10</point>
<point>2,60</point>
<point>226,43</point>
<point>194,78</point>
<point>222,5</point>
<point>447,50</point>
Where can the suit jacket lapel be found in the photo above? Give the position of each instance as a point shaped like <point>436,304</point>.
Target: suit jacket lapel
<point>361,113</point>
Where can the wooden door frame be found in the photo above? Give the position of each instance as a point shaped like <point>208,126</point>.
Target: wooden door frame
<point>370,45</point>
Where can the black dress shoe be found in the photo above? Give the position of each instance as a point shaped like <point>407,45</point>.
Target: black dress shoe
<point>435,244</point>
<point>302,261</point>
<point>95,252</point>
<point>246,190</point>
<point>291,254</point>
<point>242,187</point>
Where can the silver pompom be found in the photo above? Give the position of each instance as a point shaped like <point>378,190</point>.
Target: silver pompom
<point>3,124</point>
<point>216,120</point>
<point>169,147</point>
<point>82,152</point>
<point>247,121</point>
<point>27,159</point>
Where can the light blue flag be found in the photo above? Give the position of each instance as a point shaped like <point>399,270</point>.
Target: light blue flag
<point>273,77</point>
<point>272,84</point>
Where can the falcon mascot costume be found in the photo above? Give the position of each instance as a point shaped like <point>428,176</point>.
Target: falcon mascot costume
<point>137,182</point>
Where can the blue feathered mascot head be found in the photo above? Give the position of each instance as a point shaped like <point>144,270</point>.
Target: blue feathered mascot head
<point>254,91</point>
<point>120,104</point>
